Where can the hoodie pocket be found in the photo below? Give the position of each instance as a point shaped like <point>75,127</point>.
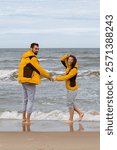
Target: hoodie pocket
<point>28,71</point>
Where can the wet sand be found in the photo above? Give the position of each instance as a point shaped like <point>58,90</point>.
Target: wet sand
<point>48,135</point>
<point>49,141</point>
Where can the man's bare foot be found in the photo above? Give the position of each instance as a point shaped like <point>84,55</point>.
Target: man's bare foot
<point>28,127</point>
<point>23,120</point>
<point>69,121</point>
<point>81,116</point>
<point>23,127</point>
<point>23,117</point>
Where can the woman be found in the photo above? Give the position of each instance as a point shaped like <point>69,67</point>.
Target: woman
<point>71,65</point>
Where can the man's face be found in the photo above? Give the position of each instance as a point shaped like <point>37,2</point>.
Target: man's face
<point>35,49</point>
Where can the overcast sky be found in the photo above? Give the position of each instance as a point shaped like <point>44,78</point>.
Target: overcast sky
<point>52,23</point>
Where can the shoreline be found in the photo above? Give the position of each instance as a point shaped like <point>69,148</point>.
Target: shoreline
<point>10,125</point>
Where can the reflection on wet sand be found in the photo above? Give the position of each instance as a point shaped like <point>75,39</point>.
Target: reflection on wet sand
<point>71,127</point>
<point>26,127</point>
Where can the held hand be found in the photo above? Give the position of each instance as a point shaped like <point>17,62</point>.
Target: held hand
<point>51,79</point>
<point>54,78</point>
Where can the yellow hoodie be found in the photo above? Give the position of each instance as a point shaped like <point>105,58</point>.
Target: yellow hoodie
<point>30,69</point>
<point>70,74</point>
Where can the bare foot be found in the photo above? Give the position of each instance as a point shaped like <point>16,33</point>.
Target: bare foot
<point>27,121</point>
<point>23,120</point>
<point>81,128</point>
<point>69,121</point>
<point>28,127</point>
<point>23,127</point>
<point>81,116</point>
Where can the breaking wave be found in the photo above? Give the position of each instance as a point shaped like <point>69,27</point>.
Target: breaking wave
<point>12,74</point>
<point>52,115</point>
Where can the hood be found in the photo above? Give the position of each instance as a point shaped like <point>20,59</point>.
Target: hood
<point>28,53</point>
<point>76,65</point>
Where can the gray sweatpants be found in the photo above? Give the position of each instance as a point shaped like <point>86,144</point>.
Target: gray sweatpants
<point>29,94</point>
<point>71,99</point>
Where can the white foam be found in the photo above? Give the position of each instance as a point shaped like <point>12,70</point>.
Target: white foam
<point>42,59</point>
<point>56,72</point>
<point>46,59</point>
<point>52,115</point>
<point>91,73</point>
<point>12,74</point>
<point>10,115</point>
<point>6,74</point>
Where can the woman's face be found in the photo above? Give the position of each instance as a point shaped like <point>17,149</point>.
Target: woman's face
<point>70,61</point>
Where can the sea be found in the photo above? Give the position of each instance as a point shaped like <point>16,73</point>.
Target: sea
<point>50,99</point>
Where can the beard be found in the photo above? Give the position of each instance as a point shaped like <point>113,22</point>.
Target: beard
<point>35,53</point>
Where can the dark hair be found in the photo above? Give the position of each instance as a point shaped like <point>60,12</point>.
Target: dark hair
<point>33,44</point>
<point>74,60</point>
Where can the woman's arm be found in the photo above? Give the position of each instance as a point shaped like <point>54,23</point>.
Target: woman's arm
<point>63,60</point>
<point>72,73</point>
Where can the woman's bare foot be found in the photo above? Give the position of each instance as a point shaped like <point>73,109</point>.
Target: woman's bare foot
<point>81,116</point>
<point>69,121</point>
<point>81,128</point>
<point>27,121</point>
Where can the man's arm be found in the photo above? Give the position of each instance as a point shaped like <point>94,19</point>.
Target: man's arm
<point>42,71</point>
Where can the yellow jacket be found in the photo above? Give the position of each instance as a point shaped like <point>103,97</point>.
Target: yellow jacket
<point>30,70</point>
<point>70,75</point>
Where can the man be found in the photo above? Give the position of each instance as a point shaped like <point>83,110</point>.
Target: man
<point>29,76</point>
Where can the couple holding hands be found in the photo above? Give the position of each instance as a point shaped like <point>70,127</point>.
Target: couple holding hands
<point>29,73</point>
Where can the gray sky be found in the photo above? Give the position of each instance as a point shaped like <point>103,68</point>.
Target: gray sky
<point>52,23</point>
